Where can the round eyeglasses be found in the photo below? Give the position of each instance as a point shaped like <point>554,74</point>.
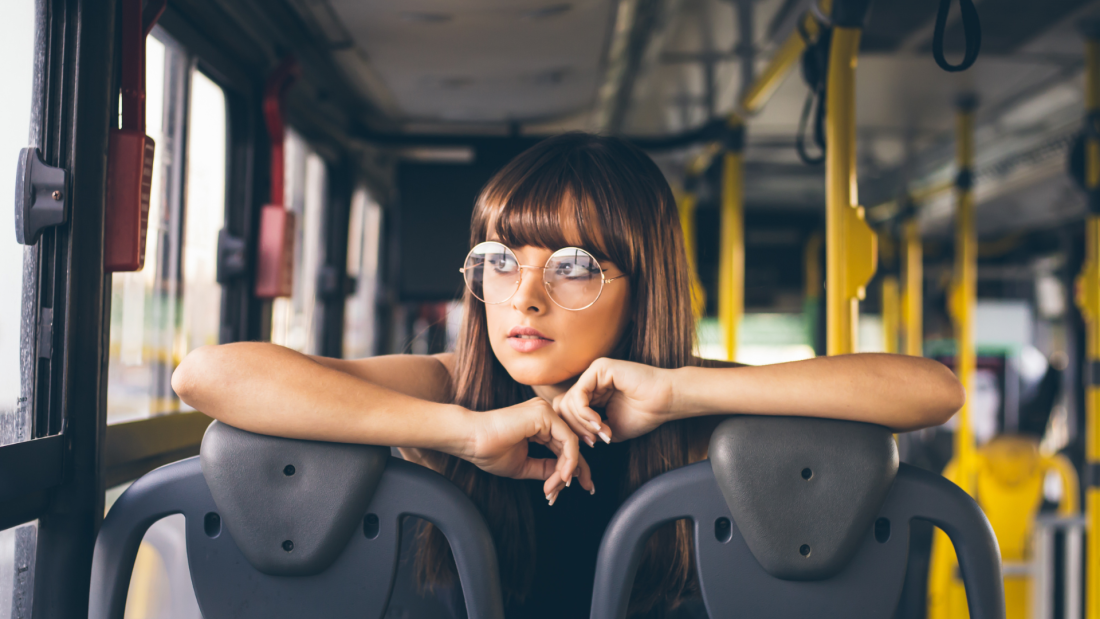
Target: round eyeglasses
<point>572,277</point>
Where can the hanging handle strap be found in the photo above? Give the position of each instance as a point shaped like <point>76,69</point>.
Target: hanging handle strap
<point>972,29</point>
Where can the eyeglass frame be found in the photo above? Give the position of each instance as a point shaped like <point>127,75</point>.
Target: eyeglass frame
<point>519,281</point>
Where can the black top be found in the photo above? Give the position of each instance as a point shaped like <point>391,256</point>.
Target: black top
<point>567,540</point>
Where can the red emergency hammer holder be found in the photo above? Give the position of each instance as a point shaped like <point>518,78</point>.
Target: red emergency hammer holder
<point>129,150</point>
<point>275,262</point>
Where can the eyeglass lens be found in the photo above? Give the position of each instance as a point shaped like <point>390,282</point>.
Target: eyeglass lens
<point>572,277</point>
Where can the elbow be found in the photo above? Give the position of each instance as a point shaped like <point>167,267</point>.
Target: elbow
<point>188,378</point>
<point>950,396</point>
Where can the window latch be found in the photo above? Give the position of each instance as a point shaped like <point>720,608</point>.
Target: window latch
<point>40,191</point>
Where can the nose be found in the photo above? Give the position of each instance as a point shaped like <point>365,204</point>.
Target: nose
<point>531,297</point>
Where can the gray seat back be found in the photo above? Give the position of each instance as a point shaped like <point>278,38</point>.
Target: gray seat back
<point>285,528</point>
<point>800,517</point>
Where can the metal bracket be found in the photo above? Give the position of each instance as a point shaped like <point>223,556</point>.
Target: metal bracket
<point>328,282</point>
<point>1092,373</point>
<point>40,191</point>
<point>232,261</point>
<point>1092,474</point>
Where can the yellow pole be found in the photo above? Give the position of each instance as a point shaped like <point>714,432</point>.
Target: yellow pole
<point>850,250</point>
<point>687,225</point>
<point>913,266</point>
<point>891,308</point>
<point>811,259</point>
<point>731,266</point>
<point>1088,299</point>
<point>964,293</point>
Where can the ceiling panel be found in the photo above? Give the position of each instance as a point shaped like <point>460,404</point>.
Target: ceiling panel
<point>483,60</point>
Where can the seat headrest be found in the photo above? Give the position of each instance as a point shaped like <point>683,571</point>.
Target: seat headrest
<point>804,492</point>
<point>291,506</point>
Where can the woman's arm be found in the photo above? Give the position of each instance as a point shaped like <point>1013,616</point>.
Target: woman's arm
<point>273,390</point>
<point>903,393</point>
<point>270,389</point>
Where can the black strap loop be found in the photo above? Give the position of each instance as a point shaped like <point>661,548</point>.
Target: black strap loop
<point>972,28</point>
<point>815,70</point>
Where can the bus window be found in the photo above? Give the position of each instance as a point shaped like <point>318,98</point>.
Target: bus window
<point>173,304</point>
<point>293,321</point>
<point>16,73</point>
<point>364,237</point>
<point>205,213</point>
<point>17,544</point>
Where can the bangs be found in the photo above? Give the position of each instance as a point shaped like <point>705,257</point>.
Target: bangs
<point>551,206</point>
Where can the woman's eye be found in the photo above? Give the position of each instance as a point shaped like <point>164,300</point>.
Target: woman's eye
<point>501,263</point>
<point>574,270</point>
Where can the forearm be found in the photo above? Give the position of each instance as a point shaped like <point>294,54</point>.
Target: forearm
<point>273,390</point>
<point>904,393</point>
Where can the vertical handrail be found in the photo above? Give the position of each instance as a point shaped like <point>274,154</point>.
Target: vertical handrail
<point>913,275</point>
<point>731,265</point>
<point>964,287</point>
<point>851,256</point>
<point>891,310</point>
<point>1088,300</point>
<point>686,205</point>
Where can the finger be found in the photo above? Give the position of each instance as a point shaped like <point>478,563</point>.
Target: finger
<point>569,458</point>
<point>585,421</point>
<point>584,476</point>
<point>555,433</point>
<point>539,468</point>
<point>581,427</point>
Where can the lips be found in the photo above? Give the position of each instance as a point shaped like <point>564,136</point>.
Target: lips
<point>527,339</point>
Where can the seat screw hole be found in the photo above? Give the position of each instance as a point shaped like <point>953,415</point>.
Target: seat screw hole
<point>807,473</point>
<point>882,530</point>
<point>723,530</point>
<point>371,526</point>
<point>288,545</point>
<point>212,524</point>
<point>288,470</point>
<point>804,550</point>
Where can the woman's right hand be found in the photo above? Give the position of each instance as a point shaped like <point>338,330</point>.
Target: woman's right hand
<point>500,446</point>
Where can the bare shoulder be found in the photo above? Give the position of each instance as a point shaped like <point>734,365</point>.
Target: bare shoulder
<point>428,377</point>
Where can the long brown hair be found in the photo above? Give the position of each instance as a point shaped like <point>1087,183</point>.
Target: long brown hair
<point>625,212</point>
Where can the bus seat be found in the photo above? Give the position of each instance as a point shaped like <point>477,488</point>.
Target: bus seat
<point>287,528</point>
<point>797,517</point>
<point>1010,475</point>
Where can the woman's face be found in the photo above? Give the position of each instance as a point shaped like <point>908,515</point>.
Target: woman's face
<point>566,342</point>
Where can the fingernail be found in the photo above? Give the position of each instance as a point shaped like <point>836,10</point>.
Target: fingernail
<point>590,442</point>
<point>568,481</point>
<point>606,438</point>
<point>595,426</point>
<point>553,498</point>
<point>593,490</point>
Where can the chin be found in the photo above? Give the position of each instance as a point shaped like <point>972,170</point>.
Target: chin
<point>532,372</point>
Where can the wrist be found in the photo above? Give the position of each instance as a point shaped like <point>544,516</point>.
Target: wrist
<point>681,405</point>
<point>459,436</point>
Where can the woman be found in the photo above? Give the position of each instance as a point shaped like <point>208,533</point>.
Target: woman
<point>577,303</point>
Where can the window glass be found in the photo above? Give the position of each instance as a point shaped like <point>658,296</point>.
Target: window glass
<point>16,73</point>
<point>205,214</point>
<point>294,323</point>
<point>160,583</point>
<point>364,236</point>
<point>173,304</point>
<point>17,544</point>
<point>17,548</point>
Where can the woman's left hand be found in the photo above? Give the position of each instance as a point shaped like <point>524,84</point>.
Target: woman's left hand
<point>636,398</point>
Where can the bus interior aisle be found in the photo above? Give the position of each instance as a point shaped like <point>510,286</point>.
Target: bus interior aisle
<point>919,178</point>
